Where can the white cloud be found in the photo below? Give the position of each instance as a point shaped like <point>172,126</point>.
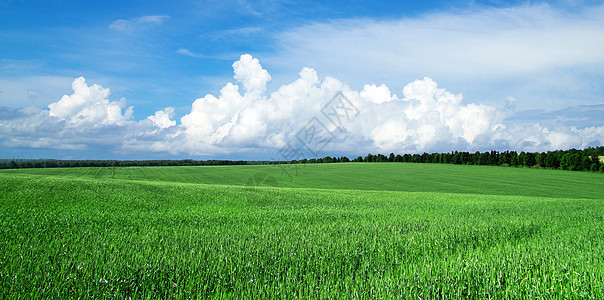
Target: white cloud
<point>528,51</point>
<point>491,42</point>
<point>163,118</point>
<point>376,94</point>
<point>249,72</point>
<point>128,25</point>
<point>232,33</point>
<point>427,117</point>
<point>242,31</point>
<point>89,106</point>
<point>188,52</point>
<point>246,117</point>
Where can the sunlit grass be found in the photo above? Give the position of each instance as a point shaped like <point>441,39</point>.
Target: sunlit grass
<point>101,237</point>
<point>408,177</point>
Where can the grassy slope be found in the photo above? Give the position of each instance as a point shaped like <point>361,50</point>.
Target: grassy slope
<point>367,176</point>
<point>97,236</point>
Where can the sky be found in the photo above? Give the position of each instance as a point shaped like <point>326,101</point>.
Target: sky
<point>281,80</point>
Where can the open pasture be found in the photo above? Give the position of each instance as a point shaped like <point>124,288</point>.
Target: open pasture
<point>407,177</point>
<point>331,231</point>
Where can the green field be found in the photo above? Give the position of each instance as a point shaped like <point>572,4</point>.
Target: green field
<point>353,230</point>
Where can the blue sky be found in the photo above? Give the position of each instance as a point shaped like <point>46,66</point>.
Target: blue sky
<point>75,38</point>
<point>524,75</point>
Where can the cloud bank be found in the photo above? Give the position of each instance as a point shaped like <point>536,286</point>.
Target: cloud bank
<point>245,117</point>
<point>543,55</point>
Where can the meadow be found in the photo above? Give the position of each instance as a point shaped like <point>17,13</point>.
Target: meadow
<point>383,230</point>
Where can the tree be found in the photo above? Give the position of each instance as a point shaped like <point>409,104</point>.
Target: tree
<point>514,160</point>
<point>585,162</point>
<point>521,158</point>
<point>540,158</point>
<point>484,158</point>
<point>504,159</point>
<point>594,167</point>
<point>570,162</point>
<point>552,160</point>
<point>529,159</point>
<point>456,159</point>
<point>494,157</point>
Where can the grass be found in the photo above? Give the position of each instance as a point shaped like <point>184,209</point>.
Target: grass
<point>334,231</point>
<point>409,177</point>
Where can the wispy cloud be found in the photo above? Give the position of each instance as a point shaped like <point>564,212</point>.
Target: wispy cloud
<point>190,53</point>
<point>131,24</point>
<point>534,49</point>
<point>32,90</point>
<point>232,33</point>
<point>248,7</point>
<point>492,42</point>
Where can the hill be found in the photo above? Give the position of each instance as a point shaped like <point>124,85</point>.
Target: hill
<point>361,230</point>
<point>407,177</point>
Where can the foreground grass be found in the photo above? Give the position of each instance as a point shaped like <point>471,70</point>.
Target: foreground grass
<point>67,237</point>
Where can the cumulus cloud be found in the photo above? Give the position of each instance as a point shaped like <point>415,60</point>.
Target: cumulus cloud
<point>89,106</point>
<point>163,118</point>
<point>246,117</point>
<point>250,73</point>
<point>376,94</point>
<point>428,116</point>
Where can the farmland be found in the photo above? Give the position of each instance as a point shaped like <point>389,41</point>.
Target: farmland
<point>323,231</point>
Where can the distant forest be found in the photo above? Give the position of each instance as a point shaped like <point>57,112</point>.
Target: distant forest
<point>588,159</point>
<point>55,163</point>
<point>574,160</point>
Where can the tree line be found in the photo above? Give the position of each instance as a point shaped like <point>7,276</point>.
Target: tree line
<point>55,163</point>
<point>575,160</point>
